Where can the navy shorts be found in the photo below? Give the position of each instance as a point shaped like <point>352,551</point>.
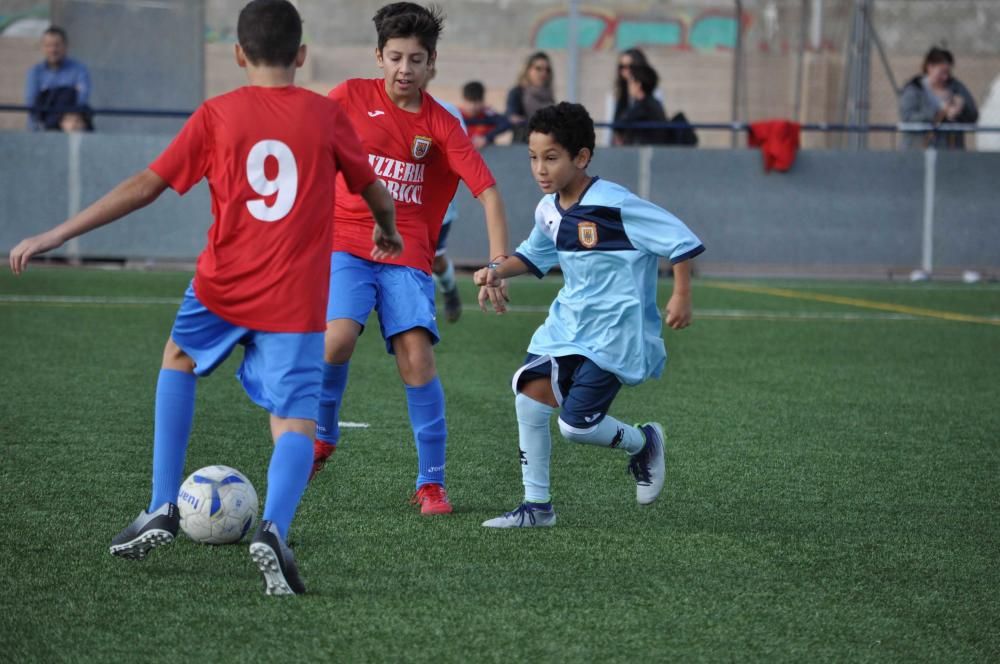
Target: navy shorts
<point>281,372</point>
<point>583,390</point>
<point>402,296</point>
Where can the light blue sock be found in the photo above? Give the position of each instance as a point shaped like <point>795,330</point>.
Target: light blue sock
<point>175,392</point>
<point>287,477</point>
<point>535,440</point>
<point>609,432</point>
<point>334,384</point>
<point>446,280</point>
<point>426,406</point>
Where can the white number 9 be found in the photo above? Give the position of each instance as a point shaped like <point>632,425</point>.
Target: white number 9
<point>286,184</point>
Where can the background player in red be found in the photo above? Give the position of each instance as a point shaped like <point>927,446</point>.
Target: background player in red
<point>271,152</point>
<point>420,151</point>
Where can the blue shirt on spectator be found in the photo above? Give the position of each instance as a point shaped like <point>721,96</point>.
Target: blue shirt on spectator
<point>69,74</point>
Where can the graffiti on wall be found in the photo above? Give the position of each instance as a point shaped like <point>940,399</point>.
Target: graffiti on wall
<point>597,29</point>
<point>28,23</point>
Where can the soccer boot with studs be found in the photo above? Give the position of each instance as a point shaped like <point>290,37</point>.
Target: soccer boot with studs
<point>432,498</point>
<point>148,531</point>
<point>648,466</point>
<point>275,561</point>
<point>321,453</point>
<point>527,515</point>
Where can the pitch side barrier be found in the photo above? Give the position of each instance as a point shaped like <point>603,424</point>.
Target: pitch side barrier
<point>835,212</point>
<point>826,127</point>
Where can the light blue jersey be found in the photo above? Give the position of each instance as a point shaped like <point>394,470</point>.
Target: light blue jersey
<point>607,245</point>
<point>451,214</point>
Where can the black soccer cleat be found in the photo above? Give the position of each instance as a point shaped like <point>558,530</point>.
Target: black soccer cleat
<point>452,305</point>
<point>275,561</point>
<point>148,531</point>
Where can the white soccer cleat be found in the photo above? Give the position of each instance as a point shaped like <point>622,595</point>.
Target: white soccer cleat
<point>649,465</point>
<point>525,516</point>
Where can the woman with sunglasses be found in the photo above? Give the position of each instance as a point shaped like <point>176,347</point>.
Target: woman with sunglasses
<point>532,92</point>
<point>622,101</point>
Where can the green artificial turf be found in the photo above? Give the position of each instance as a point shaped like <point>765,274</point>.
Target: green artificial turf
<point>833,492</point>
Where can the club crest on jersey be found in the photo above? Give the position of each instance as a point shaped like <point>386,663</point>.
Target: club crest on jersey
<point>586,232</point>
<point>421,146</point>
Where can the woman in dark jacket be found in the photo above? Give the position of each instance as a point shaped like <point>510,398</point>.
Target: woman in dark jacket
<point>936,97</point>
<point>644,108</point>
<point>626,59</point>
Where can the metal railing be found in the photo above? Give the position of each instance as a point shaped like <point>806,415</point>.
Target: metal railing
<point>826,127</point>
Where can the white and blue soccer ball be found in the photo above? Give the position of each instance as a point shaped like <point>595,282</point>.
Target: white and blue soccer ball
<point>218,505</point>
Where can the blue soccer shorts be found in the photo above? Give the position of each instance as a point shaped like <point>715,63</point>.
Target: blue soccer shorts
<point>442,245</point>
<point>583,390</point>
<point>281,372</point>
<point>402,296</point>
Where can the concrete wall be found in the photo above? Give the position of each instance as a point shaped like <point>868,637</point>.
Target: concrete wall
<point>835,212</point>
<point>688,41</point>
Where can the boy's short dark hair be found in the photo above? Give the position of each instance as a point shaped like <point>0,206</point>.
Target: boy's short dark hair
<point>473,91</point>
<point>645,76</point>
<point>401,20</point>
<point>270,32</point>
<point>569,125</point>
<point>938,56</point>
<point>57,31</point>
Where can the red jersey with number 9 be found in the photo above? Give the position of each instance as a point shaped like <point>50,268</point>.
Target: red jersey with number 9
<point>418,156</point>
<point>271,156</point>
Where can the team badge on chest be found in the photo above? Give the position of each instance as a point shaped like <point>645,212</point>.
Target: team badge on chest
<point>421,146</point>
<point>586,232</point>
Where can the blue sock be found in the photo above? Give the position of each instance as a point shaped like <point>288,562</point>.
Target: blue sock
<point>334,384</point>
<point>171,429</point>
<point>426,406</point>
<point>287,477</point>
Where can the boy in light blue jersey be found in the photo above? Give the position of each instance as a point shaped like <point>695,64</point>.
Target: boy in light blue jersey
<point>603,329</point>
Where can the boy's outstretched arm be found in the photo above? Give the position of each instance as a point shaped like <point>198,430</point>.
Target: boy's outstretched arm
<point>678,311</point>
<point>136,192</point>
<point>509,267</point>
<point>385,237</point>
<point>496,230</point>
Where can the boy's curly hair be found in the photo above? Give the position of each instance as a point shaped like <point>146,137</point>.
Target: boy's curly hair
<point>569,125</point>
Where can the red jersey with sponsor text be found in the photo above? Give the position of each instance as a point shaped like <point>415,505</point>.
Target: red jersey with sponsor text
<point>419,156</point>
<point>271,156</point>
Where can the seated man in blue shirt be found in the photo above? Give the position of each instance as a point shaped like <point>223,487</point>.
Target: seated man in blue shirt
<point>56,85</point>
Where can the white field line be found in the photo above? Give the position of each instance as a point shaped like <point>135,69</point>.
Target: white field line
<point>732,314</point>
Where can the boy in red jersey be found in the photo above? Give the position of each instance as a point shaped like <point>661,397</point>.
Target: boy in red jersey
<point>271,153</point>
<point>420,151</point>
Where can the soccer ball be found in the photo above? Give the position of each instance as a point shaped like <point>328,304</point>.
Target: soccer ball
<point>218,505</point>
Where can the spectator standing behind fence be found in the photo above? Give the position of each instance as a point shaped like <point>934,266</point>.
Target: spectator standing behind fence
<point>623,99</point>
<point>936,97</point>
<point>56,85</point>
<point>484,124</point>
<point>642,80</point>
<point>532,92</point>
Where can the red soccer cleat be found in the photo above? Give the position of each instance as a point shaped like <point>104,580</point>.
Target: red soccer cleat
<point>432,498</point>
<point>321,452</point>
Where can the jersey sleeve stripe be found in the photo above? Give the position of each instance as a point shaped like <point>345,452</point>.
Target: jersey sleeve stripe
<point>531,266</point>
